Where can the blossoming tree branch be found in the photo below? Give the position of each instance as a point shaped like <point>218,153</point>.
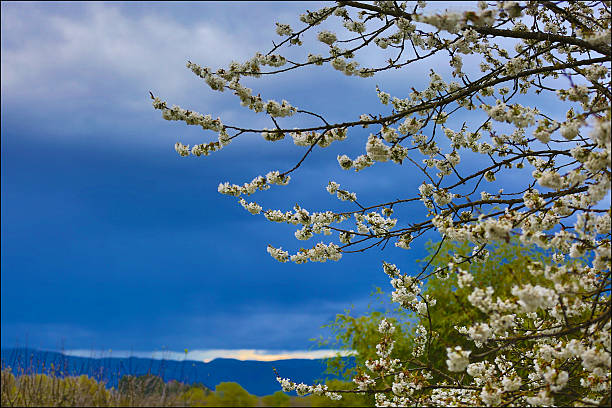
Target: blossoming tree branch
<point>548,340</point>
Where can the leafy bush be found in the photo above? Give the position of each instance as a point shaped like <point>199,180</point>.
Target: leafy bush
<point>278,399</point>
<point>44,390</point>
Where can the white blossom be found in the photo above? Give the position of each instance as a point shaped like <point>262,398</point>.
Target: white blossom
<point>458,359</point>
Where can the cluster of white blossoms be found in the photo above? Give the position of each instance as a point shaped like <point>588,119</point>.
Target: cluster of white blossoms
<point>302,389</point>
<point>458,359</point>
<point>384,363</point>
<point>315,223</point>
<point>376,151</point>
<point>230,79</point>
<point>319,253</point>
<point>253,208</point>
<point>518,115</point>
<point>258,183</point>
<point>322,140</point>
<point>283,29</point>
<point>547,340</point>
<point>343,195</point>
<point>327,37</point>
<point>187,116</point>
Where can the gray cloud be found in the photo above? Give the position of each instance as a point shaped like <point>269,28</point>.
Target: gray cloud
<point>77,56</point>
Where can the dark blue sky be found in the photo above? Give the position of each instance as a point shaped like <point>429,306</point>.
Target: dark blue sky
<point>110,240</point>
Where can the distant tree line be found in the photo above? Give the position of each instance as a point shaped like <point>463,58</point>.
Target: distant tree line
<point>31,390</point>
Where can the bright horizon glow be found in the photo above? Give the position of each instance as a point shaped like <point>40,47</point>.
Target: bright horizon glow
<point>209,355</point>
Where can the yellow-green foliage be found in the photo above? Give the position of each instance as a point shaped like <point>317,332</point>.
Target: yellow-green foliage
<point>150,390</point>
<point>195,397</point>
<point>506,265</point>
<point>278,399</point>
<point>143,391</point>
<point>49,390</point>
<point>44,390</point>
<point>231,394</point>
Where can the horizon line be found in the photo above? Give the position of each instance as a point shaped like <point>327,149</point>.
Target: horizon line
<point>208,355</point>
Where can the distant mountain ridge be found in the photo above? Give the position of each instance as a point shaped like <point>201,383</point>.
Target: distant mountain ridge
<point>257,377</point>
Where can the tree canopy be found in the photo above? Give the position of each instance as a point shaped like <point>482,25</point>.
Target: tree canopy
<point>511,138</point>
